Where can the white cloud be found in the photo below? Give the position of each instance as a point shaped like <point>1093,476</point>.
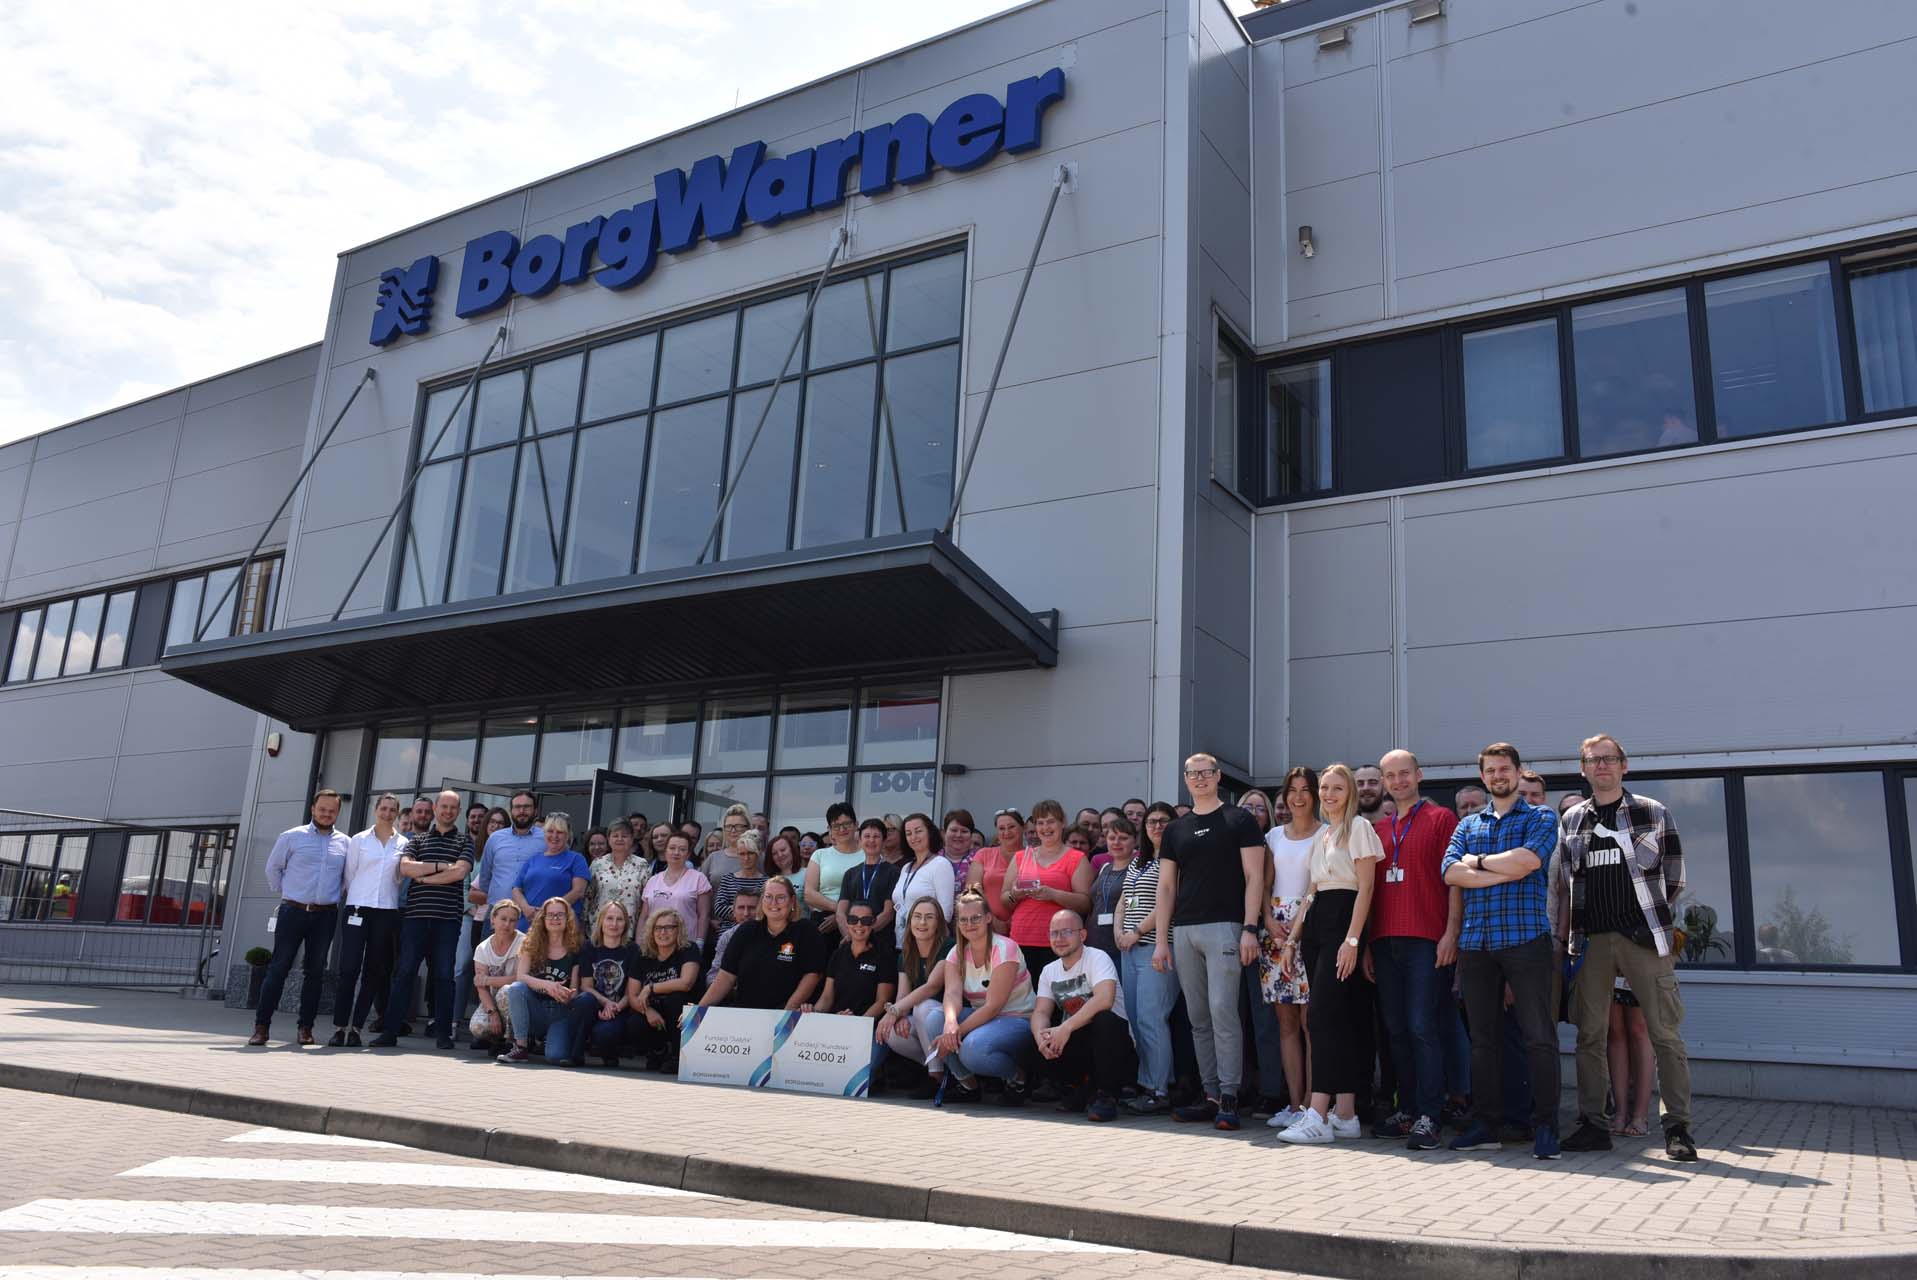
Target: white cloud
<point>175,182</point>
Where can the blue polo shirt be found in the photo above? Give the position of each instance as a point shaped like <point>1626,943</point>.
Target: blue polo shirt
<point>503,858</point>
<point>1510,914</point>
<point>543,877</point>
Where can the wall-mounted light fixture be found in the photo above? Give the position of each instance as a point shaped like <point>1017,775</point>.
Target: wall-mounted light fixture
<point>1306,245</point>
<point>1333,38</point>
<point>272,744</point>
<point>1425,10</point>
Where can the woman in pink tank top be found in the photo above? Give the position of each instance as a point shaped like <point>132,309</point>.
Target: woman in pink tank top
<point>1041,880</point>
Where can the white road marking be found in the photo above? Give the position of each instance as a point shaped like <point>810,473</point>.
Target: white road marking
<point>237,1218</point>
<point>395,1173</point>
<point>295,1138</point>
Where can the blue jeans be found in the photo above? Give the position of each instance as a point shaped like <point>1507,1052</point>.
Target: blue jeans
<point>535,1017</point>
<point>434,941</point>
<point>1408,985</point>
<point>1267,1042</point>
<point>602,1037</point>
<point>1456,1043</point>
<point>999,1049</point>
<point>295,928</point>
<point>1149,997</point>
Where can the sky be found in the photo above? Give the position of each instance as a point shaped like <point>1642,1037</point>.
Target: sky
<point>177,180</point>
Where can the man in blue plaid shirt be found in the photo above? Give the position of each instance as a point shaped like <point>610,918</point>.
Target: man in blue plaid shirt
<point>1500,857</point>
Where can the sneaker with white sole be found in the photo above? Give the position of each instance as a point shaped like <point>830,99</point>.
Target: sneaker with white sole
<point>1308,1128</point>
<point>1286,1118</point>
<point>1344,1129</point>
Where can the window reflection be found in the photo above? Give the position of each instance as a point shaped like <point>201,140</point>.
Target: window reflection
<point>1513,403</point>
<point>1820,869</point>
<point>898,724</point>
<point>1883,303</point>
<point>1633,362</point>
<point>835,457</point>
<point>737,735</point>
<point>682,484</point>
<point>918,438</point>
<point>815,729</point>
<point>1773,338</point>
<point>1707,911</point>
<point>760,513</point>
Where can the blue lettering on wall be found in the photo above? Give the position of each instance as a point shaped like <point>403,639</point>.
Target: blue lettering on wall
<point>716,198</point>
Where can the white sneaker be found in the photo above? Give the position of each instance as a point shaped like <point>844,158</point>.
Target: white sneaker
<point>1286,1118</point>
<point>1308,1128</point>
<point>1343,1129</point>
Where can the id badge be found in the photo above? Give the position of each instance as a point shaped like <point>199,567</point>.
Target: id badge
<point>273,922</point>
<point>1104,917</point>
<point>1394,875</point>
<point>354,920</point>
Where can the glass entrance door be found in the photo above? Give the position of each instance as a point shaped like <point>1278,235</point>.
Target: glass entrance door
<point>615,796</point>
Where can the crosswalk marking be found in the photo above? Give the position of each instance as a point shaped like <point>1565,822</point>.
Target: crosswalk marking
<point>394,1173</point>
<point>297,1138</point>
<point>237,1218</point>
<point>220,1273</point>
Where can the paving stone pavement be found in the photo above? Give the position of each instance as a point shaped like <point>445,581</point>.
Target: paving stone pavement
<point>1788,1181</point>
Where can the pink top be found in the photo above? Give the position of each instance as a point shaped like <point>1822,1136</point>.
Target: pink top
<point>976,981</point>
<point>1032,917</point>
<point>992,862</point>
<point>682,897</point>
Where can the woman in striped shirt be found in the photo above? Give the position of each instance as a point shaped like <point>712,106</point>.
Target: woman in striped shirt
<point>1150,992</point>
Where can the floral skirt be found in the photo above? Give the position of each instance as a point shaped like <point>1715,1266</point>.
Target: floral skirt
<point>1277,988</point>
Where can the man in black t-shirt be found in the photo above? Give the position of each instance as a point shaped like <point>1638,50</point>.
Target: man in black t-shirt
<point>1212,866</point>
<point>435,864</point>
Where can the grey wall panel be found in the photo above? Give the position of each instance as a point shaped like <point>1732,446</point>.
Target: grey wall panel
<point>1340,710</point>
<point>1340,591</point>
<point>358,480</point>
<point>1345,218</point>
<point>1101,537</point>
<point>1330,129</point>
<point>985,790</point>
<point>70,720</point>
<point>74,787</point>
<point>1271,216</point>
<point>1224,94</point>
<point>1083,433</point>
<point>109,425</point>
<point>269,421</point>
<point>1224,220</point>
<point>66,579</point>
<point>284,778</point>
<point>165,714</point>
<point>1222,562</point>
<point>327,561</point>
<point>1083,313</point>
<point>1306,62</point>
<point>251,903</point>
<point>180,786</point>
<point>13,487</point>
<point>17,454</point>
<point>1224,293</point>
<point>126,524</point>
<point>1221,702</point>
<point>105,469</point>
<point>1271,645</point>
<point>1087,710</point>
<point>238,497</point>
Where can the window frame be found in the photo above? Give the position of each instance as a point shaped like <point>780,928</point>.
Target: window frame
<point>14,613</point>
<point>271,574</point>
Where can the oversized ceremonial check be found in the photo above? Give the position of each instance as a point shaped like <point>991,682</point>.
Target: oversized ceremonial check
<point>773,1049</point>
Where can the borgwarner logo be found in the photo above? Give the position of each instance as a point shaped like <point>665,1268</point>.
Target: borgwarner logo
<point>715,200</point>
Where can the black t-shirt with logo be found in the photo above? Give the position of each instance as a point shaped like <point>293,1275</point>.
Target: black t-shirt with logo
<point>653,972</point>
<point>1211,871</point>
<point>767,968</point>
<point>1610,900</point>
<point>608,968</point>
<point>559,970</point>
<point>856,979</point>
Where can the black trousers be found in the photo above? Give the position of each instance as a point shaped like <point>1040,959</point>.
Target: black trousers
<point>365,963</point>
<point>1102,1051</point>
<point>1482,975</point>
<point>1342,1041</point>
<point>647,1041</point>
<point>298,931</point>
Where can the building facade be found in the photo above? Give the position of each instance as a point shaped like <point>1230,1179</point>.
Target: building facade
<point>1381,377</point>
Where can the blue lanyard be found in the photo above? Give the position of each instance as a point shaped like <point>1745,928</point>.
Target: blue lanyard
<point>866,876</point>
<point>1397,832</point>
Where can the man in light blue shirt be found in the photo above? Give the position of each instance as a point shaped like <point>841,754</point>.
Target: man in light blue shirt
<point>508,851</point>
<point>307,868</point>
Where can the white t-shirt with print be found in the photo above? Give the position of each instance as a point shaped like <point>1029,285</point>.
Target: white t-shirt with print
<point>1069,989</point>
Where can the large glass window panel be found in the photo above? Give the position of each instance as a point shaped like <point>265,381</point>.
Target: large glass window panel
<point>396,760</point>
<point>1633,361</point>
<point>845,324</point>
<point>36,882</point>
<point>339,759</point>
<point>1513,401</point>
<point>1883,304</point>
<point>506,750</point>
<point>183,615</point>
<point>766,336</point>
<point>759,516</point>
<point>212,861</point>
<point>711,797</point>
<point>219,604</point>
<point>899,724</point>
<point>53,641</point>
<point>479,549</point>
<point>554,404</point>
<point>575,744</point>
<point>1774,362</point>
<point>619,378</point>
<point>85,638</point>
<point>136,878</point>
<point>1707,911</point>
<point>1224,416</point>
<point>449,751</point>
<point>605,500</point>
<point>439,409</point>
<point>682,483</point>
<point>13,850</point>
<point>655,740</point>
<point>25,632</point>
<point>801,799</point>
<point>836,456</point>
<point>881,791</point>
<point>539,513</point>
<point>1820,869</point>
<point>64,899</point>
<point>696,358</point>
<point>736,736</point>
<point>1297,443</point>
<point>170,879</point>
<point>927,303</point>
<point>918,438</point>
<point>429,536</point>
<point>815,731</point>
<point>497,413</point>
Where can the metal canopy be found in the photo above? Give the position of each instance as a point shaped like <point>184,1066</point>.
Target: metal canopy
<point>907,605</point>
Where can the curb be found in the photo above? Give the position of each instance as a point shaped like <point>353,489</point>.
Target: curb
<point>1246,1244</point>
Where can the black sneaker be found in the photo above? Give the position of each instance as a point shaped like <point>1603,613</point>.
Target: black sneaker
<point>1203,1111</point>
<point>1148,1104</point>
<point>1679,1145</point>
<point>1227,1117</point>
<point>1103,1109</point>
<point>385,1040</point>
<point>1015,1094</point>
<point>1266,1107</point>
<point>1588,1137</point>
<point>957,1093</point>
<point>1395,1125</point>
<point>1423,1135</point>
<point>443,1042</point>
<point>1074,1101</point>
<point>1454,1115</point>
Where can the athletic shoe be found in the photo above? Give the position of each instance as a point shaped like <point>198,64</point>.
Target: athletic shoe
<point>1476,1138</point>
<point>338,1039</point>
<point>1149,1104</point>
<point>1227,1117</point>
<point>1286,1118</point>
<point>1310,1128</point>
<point>1679,1145</point>
<point>1424,1135</point>
<point>516,1054</point>
<point>1545,1145</point>
<point>444,1042</point>
<point>1395,1125</point>
<point>1015,1094</point>
<point>956,1092</point>
<point>1344,1129</point>
<point>1588,1137</point>
<point>386,1040</point>
<point>1104,1107</point>
<point>1073,1101</point>
<point>1202,1112</point>
<point>1047,1091</point>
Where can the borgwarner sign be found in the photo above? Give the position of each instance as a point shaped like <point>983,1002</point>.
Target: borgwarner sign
<point>715,200</point>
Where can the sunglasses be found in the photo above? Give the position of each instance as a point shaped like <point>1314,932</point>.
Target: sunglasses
<point>865,921</point>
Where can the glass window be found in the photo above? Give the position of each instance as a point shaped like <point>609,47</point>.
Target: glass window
<point>901,791</point>
<point>25,632</point>
<point>136,877</point>
<point>711,797</point>
<point>1774,363</point>
<point>836,457</point>
<point>918,439</point>
<point>13,850</point>
<point>219,605</point>
<point>429,536</point>
<point>85,638</point>
<point>1513,401</point>
<point>36,883</point>
<point>339,759</point>
<point>1883,305</point>
<point>480,548</point>
<point>605,500</point>
<point>576,743</point>
<point>1224,416</point>
<point>801,799</point>
<point>1820,869</point>
<point>396,760</point>
<point>845,324</point>
<point>697,358</point>
<point>1298,430</point>
<point>815,731</point>
<point>449,409</point>
<point>554,404</point>
<point>167,896</point>
<point>53,642</point>
<point>539,511</point>
<point>63,899</point>
<point>899,725</point>
<point>1707,910</point>
<point>760,513</point>
<point>506,750</point>
<point>114,630</point>
<point>682,484</point>
<point>449,751</point>
<point>183,615</point>
<point>497,412</point>
<point>656,740</point>
<point>737,734</point>
<point>212,861</point>
<point>767,336</point>
<point>927,302</point>
<point>1633,362</point>
<point>619,378</point>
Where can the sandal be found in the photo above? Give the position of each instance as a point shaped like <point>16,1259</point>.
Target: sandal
<point>1636,1129</point>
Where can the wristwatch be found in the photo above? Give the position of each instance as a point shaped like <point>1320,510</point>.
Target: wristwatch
<point>1351,942</point>
<point>1252,929</point>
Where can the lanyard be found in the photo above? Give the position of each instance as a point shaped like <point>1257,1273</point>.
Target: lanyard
<point>1398,832</point>
<point>867,874</point>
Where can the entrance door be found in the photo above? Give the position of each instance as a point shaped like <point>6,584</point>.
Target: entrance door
<point>615,795</point>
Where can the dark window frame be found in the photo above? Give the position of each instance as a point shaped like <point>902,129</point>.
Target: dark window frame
<point>268,569</point>
<point>107,594</point>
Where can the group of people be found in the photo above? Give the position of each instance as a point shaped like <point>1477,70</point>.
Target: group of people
<point>1384,956</point>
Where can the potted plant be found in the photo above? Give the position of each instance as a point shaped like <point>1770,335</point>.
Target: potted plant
<point>257,958</point>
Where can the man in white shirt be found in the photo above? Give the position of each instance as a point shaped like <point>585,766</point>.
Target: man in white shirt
<point>1090,1037</point>
<point>370,935</point>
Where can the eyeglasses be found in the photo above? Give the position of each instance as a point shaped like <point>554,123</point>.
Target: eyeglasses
<point>665,928</point>
<point>862,921</point>
<point>971,919</point>
<point>1604,760</point>
<point>1200,773</point>
<point>1157,820</point>
<point>1063,935</point>
<point>735,826</point>
<point>844,825</point>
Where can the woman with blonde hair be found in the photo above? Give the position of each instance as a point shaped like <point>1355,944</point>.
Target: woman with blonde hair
<point>608,972</point>
<point>496,967</point>
<point>544,998</point>
<point>983,1023</point>
<point>668,973</point>
<point>1258,805</point>
<point>1329,931</point>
